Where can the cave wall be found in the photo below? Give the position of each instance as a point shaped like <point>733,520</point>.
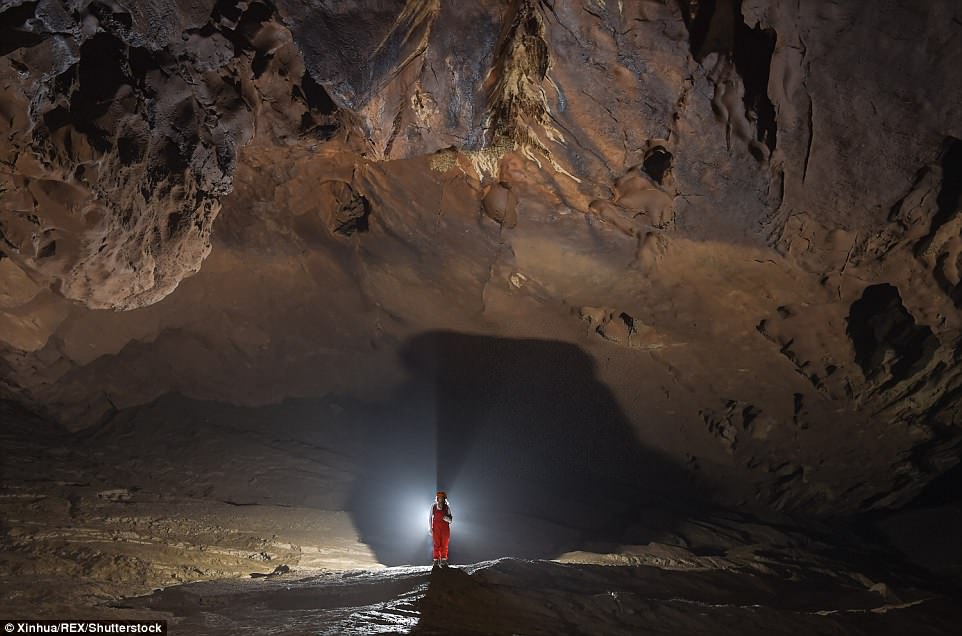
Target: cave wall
<point>746,213</point>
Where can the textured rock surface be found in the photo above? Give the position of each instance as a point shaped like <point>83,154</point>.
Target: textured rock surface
<point>95,521</point>
<point>746,213</point>
<point>121,131</point>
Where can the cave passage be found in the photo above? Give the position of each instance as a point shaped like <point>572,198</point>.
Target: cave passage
<point>535,454</point>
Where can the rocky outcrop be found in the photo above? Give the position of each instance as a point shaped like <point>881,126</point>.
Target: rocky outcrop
<point>718,202</point>
<point>121,134</point>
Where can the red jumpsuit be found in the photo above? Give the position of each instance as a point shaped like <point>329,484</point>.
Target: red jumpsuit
<point>441,530</point>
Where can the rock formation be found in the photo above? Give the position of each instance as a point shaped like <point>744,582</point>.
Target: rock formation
<point>746,212</point>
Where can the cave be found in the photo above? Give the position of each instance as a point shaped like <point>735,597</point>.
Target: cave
<point>516,317</point>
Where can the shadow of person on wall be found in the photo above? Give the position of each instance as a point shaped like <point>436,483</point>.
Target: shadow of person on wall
<point>535,453</point>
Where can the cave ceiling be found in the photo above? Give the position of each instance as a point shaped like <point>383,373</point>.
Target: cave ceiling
<point>746,212</point>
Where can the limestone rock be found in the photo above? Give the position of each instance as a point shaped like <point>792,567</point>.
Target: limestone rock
<point>722,203</point>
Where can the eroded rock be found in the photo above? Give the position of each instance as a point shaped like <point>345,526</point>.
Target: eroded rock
<point>721,191</point>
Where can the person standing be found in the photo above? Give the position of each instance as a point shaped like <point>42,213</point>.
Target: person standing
<point>440,528</point>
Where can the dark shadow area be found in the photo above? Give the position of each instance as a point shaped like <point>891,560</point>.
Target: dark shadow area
<point>944,489</point>
<point>754,47</point>
<point>657,163</point>
<point>535,453</point>
<point>880,325</point>
<point>950,192</point>
<point>518,597</point>
<point>718,26</point>
<point>15,31</point>
<point>711,26</point>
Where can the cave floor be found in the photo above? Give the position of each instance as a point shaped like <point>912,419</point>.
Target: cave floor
<point>164,516</point>
<point>515,596</point>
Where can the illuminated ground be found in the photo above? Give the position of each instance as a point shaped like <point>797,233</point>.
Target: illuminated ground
<point>122,521</point>
<point>513,596</point>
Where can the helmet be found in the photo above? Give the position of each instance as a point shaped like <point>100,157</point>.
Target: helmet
<point>442,494</point>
